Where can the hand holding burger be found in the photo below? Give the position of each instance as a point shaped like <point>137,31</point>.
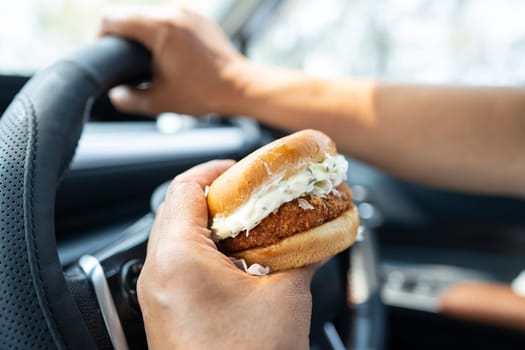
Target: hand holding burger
<point>286,205</point>
<point>193,297</point>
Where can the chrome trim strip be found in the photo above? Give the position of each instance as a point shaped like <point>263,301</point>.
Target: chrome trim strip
<point>363,273</point>
<point>92,268</point>
<point>333,337</point>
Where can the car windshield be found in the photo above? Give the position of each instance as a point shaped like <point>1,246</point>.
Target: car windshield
<point>446,41</point>
<point>34,33</point>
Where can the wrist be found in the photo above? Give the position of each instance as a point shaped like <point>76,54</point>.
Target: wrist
<point>235,77</point>
<point>243,87</point>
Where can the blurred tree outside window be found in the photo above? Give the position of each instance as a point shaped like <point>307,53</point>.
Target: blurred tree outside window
<point>34,33</point>
<point>435,41</point>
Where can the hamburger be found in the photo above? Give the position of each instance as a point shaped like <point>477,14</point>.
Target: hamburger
<point>285,205</point>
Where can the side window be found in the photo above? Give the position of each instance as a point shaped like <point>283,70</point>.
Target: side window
<point>446,41</point>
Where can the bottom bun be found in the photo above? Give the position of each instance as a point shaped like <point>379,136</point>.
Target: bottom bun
<point>307,247</point>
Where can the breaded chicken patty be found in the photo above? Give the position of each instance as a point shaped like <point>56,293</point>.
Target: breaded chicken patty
<point>291,218</point>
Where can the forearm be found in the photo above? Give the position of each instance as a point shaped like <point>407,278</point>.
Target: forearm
<point>467,138</point>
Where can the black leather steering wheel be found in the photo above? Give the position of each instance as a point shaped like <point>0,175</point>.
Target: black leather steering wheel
<point>41,307</point>
<point>38,136</point>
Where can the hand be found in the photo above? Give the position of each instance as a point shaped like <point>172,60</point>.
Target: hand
<point>196,70</point>
<point>193,296</point>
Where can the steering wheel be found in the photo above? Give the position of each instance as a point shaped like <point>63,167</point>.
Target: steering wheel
<point>93,304</point>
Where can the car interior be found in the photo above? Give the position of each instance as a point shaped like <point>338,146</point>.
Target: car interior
<point>431,269</point>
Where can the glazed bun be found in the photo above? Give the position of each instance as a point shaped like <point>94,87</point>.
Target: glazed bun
<point>286,205</point>
<point>279,159</point>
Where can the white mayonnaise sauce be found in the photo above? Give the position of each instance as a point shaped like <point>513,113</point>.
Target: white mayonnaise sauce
<point>317,179</point>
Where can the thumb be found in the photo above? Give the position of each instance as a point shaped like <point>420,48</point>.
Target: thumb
<point>131,99</point>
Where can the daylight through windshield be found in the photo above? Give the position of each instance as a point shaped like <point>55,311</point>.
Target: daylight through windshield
<point>34,33</point>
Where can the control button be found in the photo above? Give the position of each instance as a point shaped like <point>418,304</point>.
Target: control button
<point>359,193</point>
<point>396,279</point>
<point>518,285</point>
<point>129,278</point>
<point>370,216</point>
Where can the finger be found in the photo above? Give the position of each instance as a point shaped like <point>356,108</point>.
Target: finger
<point>133,23</point>
<point>132,100</point>
<point>204,174</point>
<point>155,230</point>
<point>300,276</point>
<point>185,207</point>
<point>306,273</point>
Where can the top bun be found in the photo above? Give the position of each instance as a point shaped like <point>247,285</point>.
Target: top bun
<point>282,158</point>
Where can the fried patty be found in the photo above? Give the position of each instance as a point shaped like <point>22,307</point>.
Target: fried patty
<point>290,219</point>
